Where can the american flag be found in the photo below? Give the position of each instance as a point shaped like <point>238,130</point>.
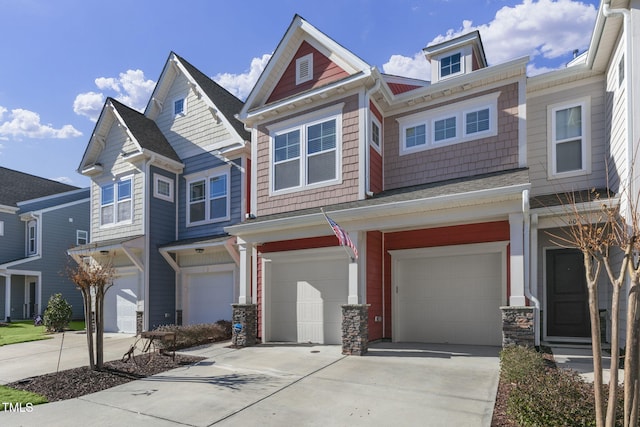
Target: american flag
<point>342,235</point>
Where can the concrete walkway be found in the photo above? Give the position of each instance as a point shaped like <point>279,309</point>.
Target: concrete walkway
<point>312,385</point>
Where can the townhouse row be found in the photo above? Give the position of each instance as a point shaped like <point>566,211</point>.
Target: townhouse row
<point>447,186</point>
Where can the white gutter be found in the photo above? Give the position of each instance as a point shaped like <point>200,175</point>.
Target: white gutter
<point>608,12</point>
<point>527,267</point>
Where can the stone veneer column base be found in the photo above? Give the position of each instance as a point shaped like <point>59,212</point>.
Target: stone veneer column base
<point>244,325</point>
<point>139,322</point>
<point>355,329</point>
<point>518,326</point>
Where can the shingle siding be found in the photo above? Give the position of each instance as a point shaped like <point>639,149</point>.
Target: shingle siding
<point>485,155</point>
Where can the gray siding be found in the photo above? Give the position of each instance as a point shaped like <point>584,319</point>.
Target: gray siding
<point>537,142</point>
<point>201,163</point>
<point>616,116</point>
<point>162,289</point>
<point>58,199</point>
<point>12,243</point>
<point>2,290</point>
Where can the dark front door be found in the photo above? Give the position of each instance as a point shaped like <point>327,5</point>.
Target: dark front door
<point>567,297</point>
<point>32,299</point>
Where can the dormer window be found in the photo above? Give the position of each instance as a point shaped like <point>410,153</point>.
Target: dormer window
<point>451,65</point>
<point>304,69</point>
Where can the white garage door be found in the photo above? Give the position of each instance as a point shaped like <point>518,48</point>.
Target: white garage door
<point>209,297</point>
<point>120,305</point>
<point>452,298</point>
<point>304,299</point>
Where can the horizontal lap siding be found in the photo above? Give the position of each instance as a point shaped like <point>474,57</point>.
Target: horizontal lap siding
<point>432,237</point>
<point>485,155</point>
<point>324,72</point>
<point>13,242</point>
<point>345,192</point>
<point>374,283</point>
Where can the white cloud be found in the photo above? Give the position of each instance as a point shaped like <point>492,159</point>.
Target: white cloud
<point>24,123</point>
<point>241,84</point>
<point>543,29</point>
<point>417,67</point>
<point>63,179</point>
<point>131,88</point>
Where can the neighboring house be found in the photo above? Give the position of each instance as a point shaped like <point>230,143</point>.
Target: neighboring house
<point>40,220</point>
<point>448,187</point>
<point>164,184</point>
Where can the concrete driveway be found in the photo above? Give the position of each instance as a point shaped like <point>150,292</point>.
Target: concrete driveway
<point>276,385</point>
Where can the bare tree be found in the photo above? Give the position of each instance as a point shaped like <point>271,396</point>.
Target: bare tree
<point>93,280</point>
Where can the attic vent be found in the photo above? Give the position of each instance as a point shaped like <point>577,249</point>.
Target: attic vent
<point>304,69</point>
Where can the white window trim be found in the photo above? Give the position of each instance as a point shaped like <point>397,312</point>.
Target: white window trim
<point>206,176</point>
<point>301,124</point>
<point>462,65</point>
<point>115,203</point>
<point>86,237</point>
<point>1,228</point>
<point>32,224</point>
<point>585,104</point>
<point>374,120</point>
<point>156,179</point>
<point>306,58</point>
<point>184,106</point>
<point>458,110</point>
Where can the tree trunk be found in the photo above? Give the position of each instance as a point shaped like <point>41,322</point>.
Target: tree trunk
<point>615,354</point>
<point>631,354</point>
<point>594,313</point>
<point>99,327</point>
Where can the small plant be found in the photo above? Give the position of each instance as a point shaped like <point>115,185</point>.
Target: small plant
<point>193,335</point>
<point>58,314</point>
<point>518,363</point>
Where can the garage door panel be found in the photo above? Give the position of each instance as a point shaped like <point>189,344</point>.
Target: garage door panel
<point>449,299</point>
<point>305,298</point>
<point>120,304</point>
<point>209,297</point>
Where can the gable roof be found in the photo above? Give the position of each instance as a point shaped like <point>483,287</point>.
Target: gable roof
<point>145,131</point>
<point>20,186</point>
<point>298,32</point>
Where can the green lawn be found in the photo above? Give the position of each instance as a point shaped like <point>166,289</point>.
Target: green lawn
<point>10,395</point>
<point>24,331</point>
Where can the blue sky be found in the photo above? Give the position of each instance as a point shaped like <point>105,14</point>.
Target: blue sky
<point>61,59</point>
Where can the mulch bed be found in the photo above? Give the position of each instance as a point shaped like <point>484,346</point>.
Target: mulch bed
<point>81,381</point>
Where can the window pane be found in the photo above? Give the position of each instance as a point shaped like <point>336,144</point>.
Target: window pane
<point>163,188</point>
<point>218,186</point>
<point>196,212</point>
<point>416,136</point>
<point>124,210</point>
<point>450,65</point>
<point>569,123</point>
<point>322,167</point>
<point>218,208</point>
<point>106,214</point>
<point>287,146</point>
<point>445,129</point>
<point>124,189</point>
<point>477,121</point>
<point>196,191</point>
<point>107,194</point>
<point>178,106</point>
<point>321,137</point>
<point>375,134</point>
<point>569,156</point>
<point>286,175</point>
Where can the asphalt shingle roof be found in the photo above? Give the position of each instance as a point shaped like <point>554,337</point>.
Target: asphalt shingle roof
<point>228,104</point>
<point>145,131</point>
<point>18,186</point>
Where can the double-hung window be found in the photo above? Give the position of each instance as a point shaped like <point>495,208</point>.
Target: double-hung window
<point>568,141</point>
<point>116,203</point>
<point>208,196</point>
<point>82,237</point>
<point>32,238</point>
<point>306,154</point>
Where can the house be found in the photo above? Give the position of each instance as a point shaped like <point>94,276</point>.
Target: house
<point>451,188</point>
<point>427,177</point>
<point>39,220</point>
<point>164,184</point>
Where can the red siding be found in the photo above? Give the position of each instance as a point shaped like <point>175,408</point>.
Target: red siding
<point>398,88</point>
<point>432,237</point>
<point>375,170</point>
<point>374,283</point>
<point>259,296</point>
<point>324,72</point>
<point>375,111</point>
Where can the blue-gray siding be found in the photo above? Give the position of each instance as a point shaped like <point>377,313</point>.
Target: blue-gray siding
<point>57,200</point>
<point>12,243</point>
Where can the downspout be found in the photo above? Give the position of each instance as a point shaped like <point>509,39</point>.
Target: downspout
<point>367,96</point>
<point>146,226</point>
<point>626,15</point>
<point>527,267</point>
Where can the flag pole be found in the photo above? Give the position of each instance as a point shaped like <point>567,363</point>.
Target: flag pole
<point>343,246</point>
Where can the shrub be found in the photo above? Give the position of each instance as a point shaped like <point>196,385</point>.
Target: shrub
<point>193,335</point>
<point>517,363</point>
<point>57,314</point>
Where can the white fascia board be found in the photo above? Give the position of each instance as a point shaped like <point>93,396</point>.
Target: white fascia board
<point>359,216</point>
<point>133,139</point>
<point>53,196</point>
<point>8,209</point>
<point>254,115</point>
<point>20,261</point>
<point>505,69</point>
<point>192,246</point>
<point>161,160</point>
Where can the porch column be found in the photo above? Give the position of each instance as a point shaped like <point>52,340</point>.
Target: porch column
<point>245,249</point>
<point>516,229</point>
<point>7,297</point>
<point>353,275</point>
